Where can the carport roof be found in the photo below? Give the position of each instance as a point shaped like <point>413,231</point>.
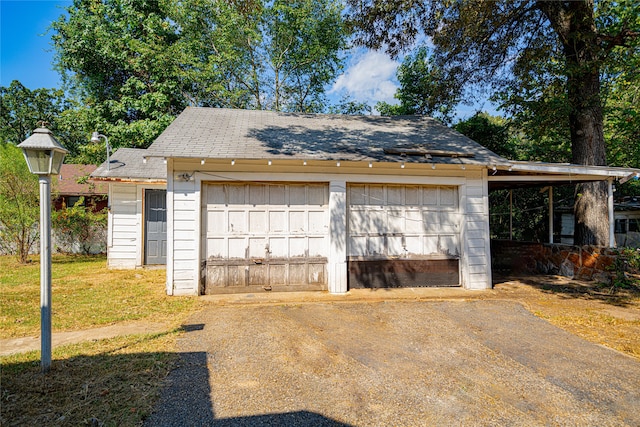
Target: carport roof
<point>221,133</point>
<point>534,174</point>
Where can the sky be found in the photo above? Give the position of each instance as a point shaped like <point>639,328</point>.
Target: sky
<point>26,54</point>
<point>25,44</point>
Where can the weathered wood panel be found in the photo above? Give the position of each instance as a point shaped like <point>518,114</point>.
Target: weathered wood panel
<point>394,273</point>
<point>255,275</point>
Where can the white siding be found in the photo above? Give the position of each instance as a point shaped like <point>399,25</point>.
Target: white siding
<point>476,263</point>
<point>183,253</point>
<point>125,233</point>
<point>121,253</point>
<point>187,215</point>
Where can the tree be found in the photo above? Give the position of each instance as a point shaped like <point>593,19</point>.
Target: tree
<point>423,90</point>
<point>350,107</point>
<point>283,52</point>
<point>22,109</point>
<point>490,132</point>
<point>19,203</point>
<point>79,227</point>
<point>119,59</point>
<point>134,65</point>
<point>478,42</point>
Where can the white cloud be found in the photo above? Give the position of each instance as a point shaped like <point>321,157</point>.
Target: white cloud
<point>370,77</point>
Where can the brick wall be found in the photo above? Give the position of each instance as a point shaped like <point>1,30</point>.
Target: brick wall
<point>579,262</point>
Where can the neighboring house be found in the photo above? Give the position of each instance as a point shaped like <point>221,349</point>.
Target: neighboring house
<point>259,200</point>
<point>626,226</point>
<point>72,183</point>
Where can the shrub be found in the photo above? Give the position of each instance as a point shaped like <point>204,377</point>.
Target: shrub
<point>79,229</point>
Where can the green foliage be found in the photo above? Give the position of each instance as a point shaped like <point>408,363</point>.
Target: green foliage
<point>134,65</point>
<point>523,218</point>
<point>627,261</point>
<point>22,109</point>
<point>79,227</point>
<point>491,132</point>
<point>119,59</point>
<point>350,107</point>
<point>19,203</point>
<point>423,89</point>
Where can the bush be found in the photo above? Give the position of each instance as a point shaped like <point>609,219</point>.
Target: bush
<point>19,204</point>
<point>78,229</point>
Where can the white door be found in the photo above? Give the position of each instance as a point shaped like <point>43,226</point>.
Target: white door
<point>266,235</point>
<point>391,224</point>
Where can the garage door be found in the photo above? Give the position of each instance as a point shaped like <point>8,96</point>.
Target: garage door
<point>402,235</point>
<point>265,236</point>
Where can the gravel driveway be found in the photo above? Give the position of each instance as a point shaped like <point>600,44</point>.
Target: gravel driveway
<point>402,363</point>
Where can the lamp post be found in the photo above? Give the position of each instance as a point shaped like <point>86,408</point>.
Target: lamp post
<point>95,138</point>
<point>44,156</point>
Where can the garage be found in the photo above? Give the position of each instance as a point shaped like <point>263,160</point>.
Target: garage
<point>265,236</point>
<point>403,235</point>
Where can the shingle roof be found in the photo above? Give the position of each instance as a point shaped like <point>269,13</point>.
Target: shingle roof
<point>67,181</point>
<point>127,163</point>
<point>250,134</point>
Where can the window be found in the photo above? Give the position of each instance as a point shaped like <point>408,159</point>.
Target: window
<point>71,201</point>
<point>634,224</point>
<point>621,226</point>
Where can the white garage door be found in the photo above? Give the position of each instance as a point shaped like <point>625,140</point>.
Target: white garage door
<point>402,220</point>
<point>272,236</point>
<point>403,235</point>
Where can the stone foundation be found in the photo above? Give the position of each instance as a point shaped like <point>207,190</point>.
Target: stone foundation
<point>579,262</point>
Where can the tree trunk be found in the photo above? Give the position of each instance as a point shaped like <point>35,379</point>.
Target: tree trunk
<point>575,25</point>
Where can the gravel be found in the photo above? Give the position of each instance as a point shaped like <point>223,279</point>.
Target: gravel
<point>401,363</point>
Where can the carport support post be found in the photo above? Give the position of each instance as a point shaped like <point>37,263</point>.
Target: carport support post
<point>550,214</point>
<point>337,265</point>
<point>612,220</point>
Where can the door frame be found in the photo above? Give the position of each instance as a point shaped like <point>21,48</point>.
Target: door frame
<point>143,251</point>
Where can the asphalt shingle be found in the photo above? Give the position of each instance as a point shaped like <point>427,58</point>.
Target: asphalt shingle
<point>254,134</point>
<point>128,163</point>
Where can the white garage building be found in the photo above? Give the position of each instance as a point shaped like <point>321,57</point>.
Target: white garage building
<point>259,200</point>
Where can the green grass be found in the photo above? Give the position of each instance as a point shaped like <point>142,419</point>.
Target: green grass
<point>85,294</point>
<point>113,382</point>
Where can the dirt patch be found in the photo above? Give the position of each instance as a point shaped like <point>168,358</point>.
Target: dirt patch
<point>596,313</point>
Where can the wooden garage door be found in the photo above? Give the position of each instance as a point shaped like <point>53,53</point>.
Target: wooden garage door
<point>265,236</point>
<point>403,235</point>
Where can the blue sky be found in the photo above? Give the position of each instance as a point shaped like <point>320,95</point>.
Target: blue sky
<point>25,44</point>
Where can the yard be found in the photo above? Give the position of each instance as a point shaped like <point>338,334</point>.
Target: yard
<point>117,381</point>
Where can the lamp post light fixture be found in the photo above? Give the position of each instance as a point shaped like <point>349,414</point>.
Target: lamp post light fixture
<point>44,156</point>
<point>95,138</point>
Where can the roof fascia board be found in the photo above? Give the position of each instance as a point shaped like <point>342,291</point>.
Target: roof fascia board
<point>570,169</point>
<point>546,178</point>
<point>128,180</point>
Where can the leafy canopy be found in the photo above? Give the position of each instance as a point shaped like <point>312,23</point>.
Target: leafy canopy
<point>134,65</point>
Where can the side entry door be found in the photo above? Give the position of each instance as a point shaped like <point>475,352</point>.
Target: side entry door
<point>155,227</point>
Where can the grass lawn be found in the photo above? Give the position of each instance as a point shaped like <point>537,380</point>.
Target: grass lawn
<point>85,294</point>
<point>112,382</point>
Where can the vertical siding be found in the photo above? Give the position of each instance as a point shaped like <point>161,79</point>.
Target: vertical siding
<point>476,262</point>
<point>185,243</point>
<point>123,233</point>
